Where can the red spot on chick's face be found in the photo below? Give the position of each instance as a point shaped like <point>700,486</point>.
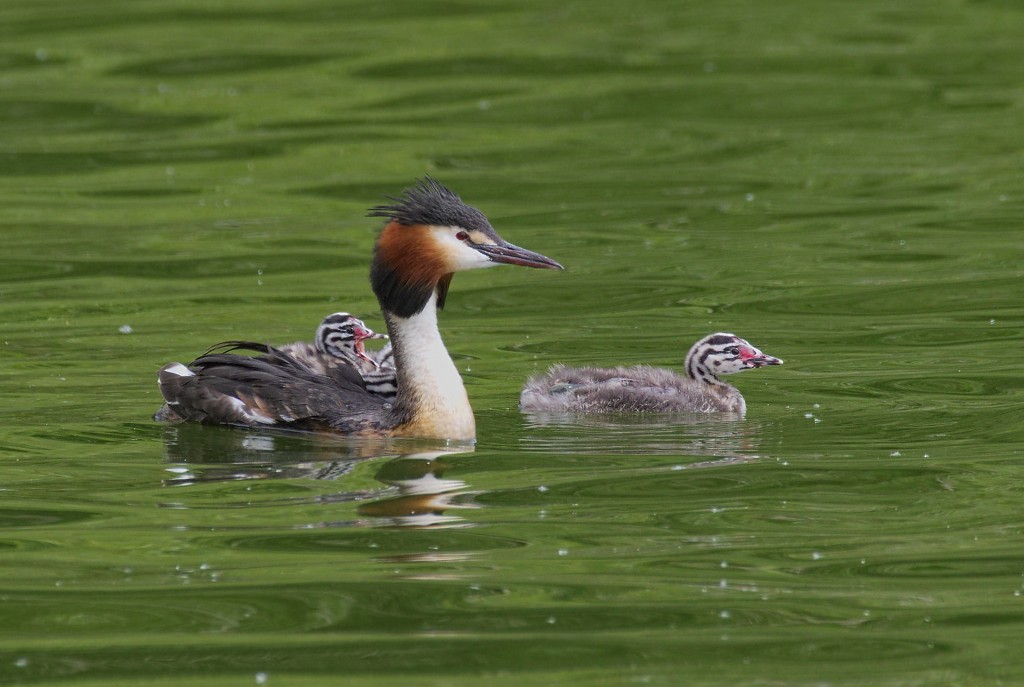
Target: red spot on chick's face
<point>746,353</point>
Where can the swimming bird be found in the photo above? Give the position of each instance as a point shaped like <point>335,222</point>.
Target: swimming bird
<point>644,389</point>
<point>429,234</point>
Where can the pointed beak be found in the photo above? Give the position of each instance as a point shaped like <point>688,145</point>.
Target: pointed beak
<point>510,254</point>
<point>369,334</point>
<point>762,360</point>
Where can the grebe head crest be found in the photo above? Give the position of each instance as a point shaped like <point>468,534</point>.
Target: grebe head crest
<point>431,234</point>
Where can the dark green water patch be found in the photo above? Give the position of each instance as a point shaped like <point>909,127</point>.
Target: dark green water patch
<point>31,517</point>
<point>218,65</point>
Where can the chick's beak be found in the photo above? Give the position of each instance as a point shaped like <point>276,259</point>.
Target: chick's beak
<point>763,359</point>
<point>361,335</point>
<point>369,334</point>
<point>510,254</point>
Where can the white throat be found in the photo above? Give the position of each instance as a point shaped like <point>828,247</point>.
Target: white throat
<point>429,385</point>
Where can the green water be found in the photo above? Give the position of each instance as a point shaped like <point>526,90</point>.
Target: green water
<point>839,182</point>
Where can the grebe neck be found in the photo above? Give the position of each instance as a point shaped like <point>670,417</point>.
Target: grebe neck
<point>699,372</point>
<point>431,399</point>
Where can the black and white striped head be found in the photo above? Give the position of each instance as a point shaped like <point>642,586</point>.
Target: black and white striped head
<point>723,354</point>
<point>341,335</point>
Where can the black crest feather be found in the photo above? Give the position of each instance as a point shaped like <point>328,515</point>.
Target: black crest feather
<point>430,202</point>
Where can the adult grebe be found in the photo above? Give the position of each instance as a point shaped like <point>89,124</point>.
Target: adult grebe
<point>430,234</point>
<point>643,389</point>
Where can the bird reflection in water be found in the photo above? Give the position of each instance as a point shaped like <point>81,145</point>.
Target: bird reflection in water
<point>722,438</point>
<point>414,491</point>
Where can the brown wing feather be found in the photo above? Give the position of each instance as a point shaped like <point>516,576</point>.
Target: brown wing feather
<point>270,389</point>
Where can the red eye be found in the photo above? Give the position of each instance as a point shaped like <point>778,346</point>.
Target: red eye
<point>462,236</point>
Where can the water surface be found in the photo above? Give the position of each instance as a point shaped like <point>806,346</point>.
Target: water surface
<point>838,182</point>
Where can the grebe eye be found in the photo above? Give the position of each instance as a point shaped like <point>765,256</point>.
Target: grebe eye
<point>462,236</point>
<point>732,350</point>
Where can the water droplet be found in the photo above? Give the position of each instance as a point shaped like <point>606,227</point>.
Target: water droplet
<point>895,454</point>
<point>542,488</point>
<point>749,197</point>
<point>724,615</point>
<point>42,55</point>
<point>552,620</point>
<point>261,678</point>
<point>563,552</point>
<point>816,556</point>
<point>125,329</point>
<point>21,662</point>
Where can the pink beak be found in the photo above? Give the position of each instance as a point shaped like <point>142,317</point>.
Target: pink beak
<point>361,335</point>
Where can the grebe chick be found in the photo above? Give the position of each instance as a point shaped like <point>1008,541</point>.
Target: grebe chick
<point>644,389</point>
<point>338,341</point>
<point>382,380</point>
<point>429,235</point>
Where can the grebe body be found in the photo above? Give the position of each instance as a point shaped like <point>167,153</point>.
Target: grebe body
<point>644,389</point>
<point>429,235</point>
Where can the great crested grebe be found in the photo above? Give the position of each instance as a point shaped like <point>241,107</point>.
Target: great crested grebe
<point>430,234</point>
<point>643,389</point>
